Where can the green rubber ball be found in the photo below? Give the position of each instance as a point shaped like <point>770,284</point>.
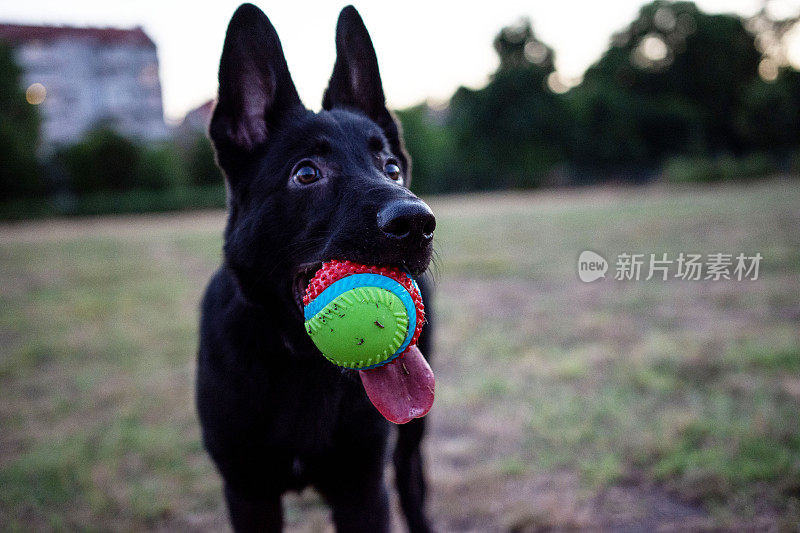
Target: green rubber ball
<point>362,328</point>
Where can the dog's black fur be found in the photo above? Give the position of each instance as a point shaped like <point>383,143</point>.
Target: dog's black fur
<point>275,415</point>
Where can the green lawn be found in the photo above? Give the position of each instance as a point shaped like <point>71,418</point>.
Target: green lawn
<point>559,404</point>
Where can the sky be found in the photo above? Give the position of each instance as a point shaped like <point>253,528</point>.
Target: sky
<point>426,48</point>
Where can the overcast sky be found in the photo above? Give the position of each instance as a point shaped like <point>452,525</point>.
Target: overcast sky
<point>426,48</point>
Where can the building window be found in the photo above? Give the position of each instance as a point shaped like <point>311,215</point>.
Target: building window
<point>148,76</point>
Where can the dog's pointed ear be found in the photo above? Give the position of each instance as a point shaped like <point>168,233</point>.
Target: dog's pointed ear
<point>255,87</point>
<point>356,82</point>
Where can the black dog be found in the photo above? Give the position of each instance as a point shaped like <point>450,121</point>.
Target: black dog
<point>303,188</point>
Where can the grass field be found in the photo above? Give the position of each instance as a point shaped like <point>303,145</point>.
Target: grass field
<point>559,404</point>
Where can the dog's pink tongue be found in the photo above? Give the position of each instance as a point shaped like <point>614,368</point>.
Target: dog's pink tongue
<point>401,390</point>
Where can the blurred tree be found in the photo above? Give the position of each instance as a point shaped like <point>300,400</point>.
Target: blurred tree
<point>200,163</point>
<point>160,167</point>
<point>19,133</point>
<point>104,160</point>
<point>107,161</point>
<point>682,73</point>
<point>610,134</point>
<point>770,40</point>
<point>518,48</point>
<point>429,142</point>
<point>768,118</point>
<point>510,133</point>
<point>769,110</point>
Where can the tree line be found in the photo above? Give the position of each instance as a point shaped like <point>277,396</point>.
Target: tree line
<point>679,93</point>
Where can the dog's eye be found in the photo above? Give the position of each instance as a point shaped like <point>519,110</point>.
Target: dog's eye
<point>393,171</point>
<point>307,174</point>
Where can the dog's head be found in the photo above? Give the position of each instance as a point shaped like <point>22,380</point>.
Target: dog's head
<point>308,187</point>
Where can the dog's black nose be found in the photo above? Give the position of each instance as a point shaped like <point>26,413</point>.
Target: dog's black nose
<point>407,219</point>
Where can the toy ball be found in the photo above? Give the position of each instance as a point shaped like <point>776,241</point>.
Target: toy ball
<point>362,316</point>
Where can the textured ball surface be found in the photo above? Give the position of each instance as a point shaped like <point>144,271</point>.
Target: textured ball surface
<point>362,316</point>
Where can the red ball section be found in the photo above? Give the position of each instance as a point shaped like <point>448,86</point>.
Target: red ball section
<point>333,271</point>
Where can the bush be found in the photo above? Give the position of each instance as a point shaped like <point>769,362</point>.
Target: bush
<point>103,161</point>
<point>106,161</point>
<point>149,200</point>
<point>200,164</point>
<point>723,168</point>
<point>431,149</point>
<point>117,202</point>
<point>108,173</point>
<point>161,168</point>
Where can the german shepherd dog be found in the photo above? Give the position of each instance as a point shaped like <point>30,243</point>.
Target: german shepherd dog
<point>304,188</point>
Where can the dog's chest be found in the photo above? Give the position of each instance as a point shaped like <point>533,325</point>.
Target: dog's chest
<point>306,405</point>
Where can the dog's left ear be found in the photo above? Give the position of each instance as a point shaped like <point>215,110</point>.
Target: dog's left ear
<point>356,81</point>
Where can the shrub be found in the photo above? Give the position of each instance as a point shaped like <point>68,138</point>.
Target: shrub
<point>200,164</point>
<point>161,168</point>
<point>103,161</point>
<point>684,169</point>
<point>106,161</point>
<point>149,200</point>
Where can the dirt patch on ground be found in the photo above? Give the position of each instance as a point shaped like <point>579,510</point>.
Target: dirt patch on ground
<point>559,502</point>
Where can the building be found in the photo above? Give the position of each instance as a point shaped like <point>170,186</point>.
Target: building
<point>89,77</point>
<point>199,118</point>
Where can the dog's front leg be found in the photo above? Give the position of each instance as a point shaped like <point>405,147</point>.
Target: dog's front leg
<point>254,512</point>
<point>363,509</point>
<point>410,475</point>
<point>351,481</point>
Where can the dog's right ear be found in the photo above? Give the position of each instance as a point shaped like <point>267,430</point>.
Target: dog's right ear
<point>255,87</point>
